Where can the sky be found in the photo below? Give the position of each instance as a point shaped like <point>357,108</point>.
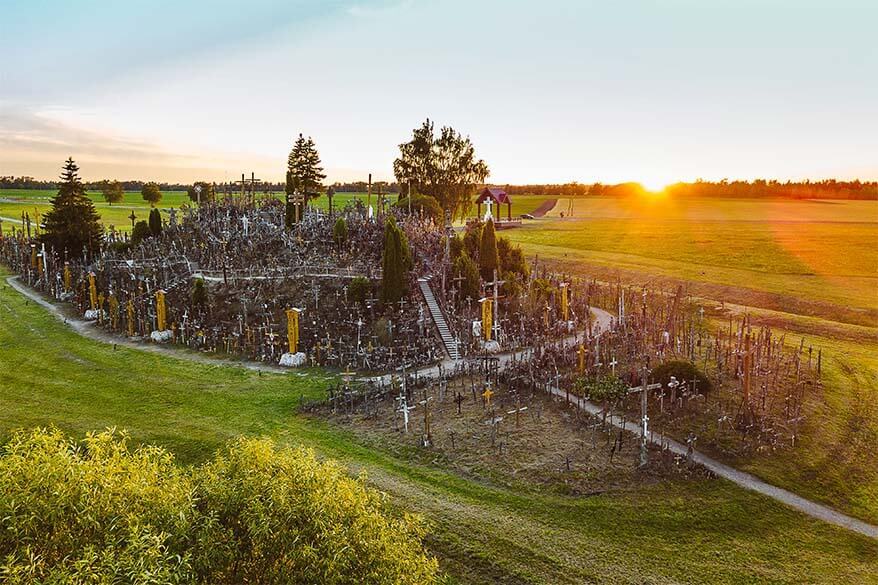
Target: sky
<point>551,91</point>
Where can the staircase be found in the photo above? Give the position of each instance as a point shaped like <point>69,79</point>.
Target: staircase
<point>439,319</point>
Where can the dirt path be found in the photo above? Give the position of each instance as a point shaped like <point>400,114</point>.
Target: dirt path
<point>603,322</point>
<point>544,208</point>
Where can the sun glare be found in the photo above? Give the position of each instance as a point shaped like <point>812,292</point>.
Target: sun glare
<point>654,186</point>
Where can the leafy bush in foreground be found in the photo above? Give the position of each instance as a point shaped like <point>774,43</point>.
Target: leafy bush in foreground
<point>97,511</point>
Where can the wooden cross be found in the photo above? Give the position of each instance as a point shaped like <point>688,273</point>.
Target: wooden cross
<point>517,411</point>
<point>458,400</point>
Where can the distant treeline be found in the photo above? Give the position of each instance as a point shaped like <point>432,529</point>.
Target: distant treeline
<point>758,188</point>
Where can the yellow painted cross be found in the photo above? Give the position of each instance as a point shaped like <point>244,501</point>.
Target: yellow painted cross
<point>487,395</point>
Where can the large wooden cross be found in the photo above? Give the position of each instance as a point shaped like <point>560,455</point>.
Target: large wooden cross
<point>644,389</point>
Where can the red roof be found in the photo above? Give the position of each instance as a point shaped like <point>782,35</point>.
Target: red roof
<point>498,195</point>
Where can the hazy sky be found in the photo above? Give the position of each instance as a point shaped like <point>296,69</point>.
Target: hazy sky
<point>549,91</point>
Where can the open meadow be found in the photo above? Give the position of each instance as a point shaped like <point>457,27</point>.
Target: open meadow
<point>807,268</point>
<point>697,530</point>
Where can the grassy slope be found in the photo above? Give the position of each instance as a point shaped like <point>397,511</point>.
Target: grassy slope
<point>699,531</point>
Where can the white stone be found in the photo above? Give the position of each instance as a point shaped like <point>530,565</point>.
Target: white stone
<point>92,315</point>
<point>161,336</point>
<point>492,346</point>
<point>292,360</point>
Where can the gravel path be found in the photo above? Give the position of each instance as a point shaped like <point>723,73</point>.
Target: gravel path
<point>603,322</point>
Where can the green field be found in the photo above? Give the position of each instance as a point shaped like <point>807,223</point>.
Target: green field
<point>809,268</point>
<point>675,531</point>
<point>14,202</point>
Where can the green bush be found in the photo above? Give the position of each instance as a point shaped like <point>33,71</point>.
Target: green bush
<point>97,511</point>
<point>684,372</point>
<point>424,204</point>
<point>140,232</point>
<point>360,289</point>
<point>340,232</point>
<point>601,388</point>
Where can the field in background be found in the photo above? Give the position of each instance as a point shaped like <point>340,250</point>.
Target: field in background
<point>681,531</point>
<point>14,202</point>
<point>809,268</point>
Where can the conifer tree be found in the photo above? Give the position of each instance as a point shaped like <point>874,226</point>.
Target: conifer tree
<point>72,224</point>
<point>396,263</point>
<point>489,258</point>
<point>304,173</point>
<point>155,222</point>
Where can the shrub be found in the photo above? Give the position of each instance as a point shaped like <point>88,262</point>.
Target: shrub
<point>199,293</point>
<point>340,232</point>
<point>684,372</point>
<point>424,204</point>
<point>140,232</point>
<point>360,289</point>
<point>602,388</point>
<point>98,512</point>
<point>465,269</point>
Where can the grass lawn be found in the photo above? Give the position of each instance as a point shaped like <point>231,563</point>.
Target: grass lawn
<point>815,250</point>
<point>696,531</point>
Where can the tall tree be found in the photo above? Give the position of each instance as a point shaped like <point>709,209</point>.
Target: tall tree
<point>151,193</point>
<point>73,223</point>
<point>304,173</point>
<point>113,192</point>
<point>444,167</point>
<point>396,263</point>
<point>489,258</point>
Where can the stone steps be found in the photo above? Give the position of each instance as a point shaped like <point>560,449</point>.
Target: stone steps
<point>439,319</point>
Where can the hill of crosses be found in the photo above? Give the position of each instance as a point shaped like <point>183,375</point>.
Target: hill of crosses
<point>463,319</point>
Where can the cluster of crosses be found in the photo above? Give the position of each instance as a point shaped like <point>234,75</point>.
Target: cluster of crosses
<point>232,277</point>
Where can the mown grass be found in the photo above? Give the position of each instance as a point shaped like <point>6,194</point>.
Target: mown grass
<point>776,247</point>
<point>699,531</point>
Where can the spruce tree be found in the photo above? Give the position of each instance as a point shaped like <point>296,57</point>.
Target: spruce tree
<point>489,258</point>
<point>72,224</point>
<point>304,173</point>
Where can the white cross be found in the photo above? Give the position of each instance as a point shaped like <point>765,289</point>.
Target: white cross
<point>613,365</point>
<point>488,212</point>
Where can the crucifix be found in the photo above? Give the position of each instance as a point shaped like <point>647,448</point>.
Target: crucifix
<point>613,365</point>
<point>486,395</point>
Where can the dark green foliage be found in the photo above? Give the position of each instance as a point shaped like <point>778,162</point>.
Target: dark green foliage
<point>465,268</point>
<point>208,192</point>
<point>73,223</point>
<point>444,167</point>
<point>151,193</point>
<point>199,293</point>
<point>684,372</point>
<point>290,215</point>
<point>489,259</point>
<point>113,192</point>
<point>422,204</point>
<point>304,173</point>
<point>155,222</point>
<point>456,246</point>
<point>140,232</point>
<point>601,388</point>
<point>359,290</point>
<point>472,240</point>
<point>340,232</point>
<point>511,258</point>
<point>98,511</point>
<point>396,263</point>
